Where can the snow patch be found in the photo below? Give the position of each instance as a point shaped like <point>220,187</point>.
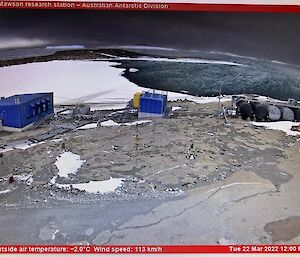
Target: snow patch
<point>5,191</point>
<point>181,60</point>
<point>284,126</point>
<point>175,108</point>
<point>133,70</point>
<point>68,163</point>
<point>54,234</point>
<point>109,106</point>
<point>57,140</point>
<point>93,187</point>
<point>66,112</point>
<point>53,180</point>
<point>191,60</point>
<point>263,98</point>
<point>224,241</point>
<point>109,123</point>
<point>197,99</point>
<point>102,82</point>
<point>23,145</point>
<point>88,126</point>
<point>192,157</point>
<point>134,123</point>
<point>147,48</point>
<point>24,177</point>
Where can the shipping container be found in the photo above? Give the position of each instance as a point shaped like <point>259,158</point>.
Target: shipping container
<point>20,112</point>
<point>152,105</point>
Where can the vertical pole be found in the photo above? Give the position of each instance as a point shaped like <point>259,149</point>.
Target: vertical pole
<point>153,135</point>
<point>219,102</point>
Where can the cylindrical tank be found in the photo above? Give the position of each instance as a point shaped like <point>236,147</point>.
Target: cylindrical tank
<point>238,103</point>
<point>245,110</point>
<point>287,114</point>
<point>274,113</point>
<point>253,104</point>
<point>261,112</point>
<point>297,114</point>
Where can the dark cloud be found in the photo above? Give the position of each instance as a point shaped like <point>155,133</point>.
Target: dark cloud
<point>267,35</point>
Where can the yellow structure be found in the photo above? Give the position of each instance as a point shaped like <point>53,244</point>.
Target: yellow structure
<point>136,99</point>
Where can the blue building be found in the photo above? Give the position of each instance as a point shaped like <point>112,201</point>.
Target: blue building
<point>152,105</point>
<point>20,112</point>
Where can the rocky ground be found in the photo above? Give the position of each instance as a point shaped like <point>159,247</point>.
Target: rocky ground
<point>188,179</point>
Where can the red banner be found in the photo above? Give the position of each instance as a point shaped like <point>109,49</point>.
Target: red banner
<point>147,249</point>
<point>147,6</point>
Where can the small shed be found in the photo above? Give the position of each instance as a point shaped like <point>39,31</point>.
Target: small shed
<point>152,105</point>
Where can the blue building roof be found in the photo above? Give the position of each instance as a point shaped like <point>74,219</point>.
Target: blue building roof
<point>153,96</point>
<point>20,99</point>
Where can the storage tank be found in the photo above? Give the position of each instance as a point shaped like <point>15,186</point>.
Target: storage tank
<point>238,103</point>
<point>136,99</point>
<point>287,114</point>
<point>297,114</point>
<point>245,110</point>
<point>261,112</point>
<point>274,113</point>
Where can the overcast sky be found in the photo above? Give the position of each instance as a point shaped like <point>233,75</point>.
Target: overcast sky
<point>272,36</point>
